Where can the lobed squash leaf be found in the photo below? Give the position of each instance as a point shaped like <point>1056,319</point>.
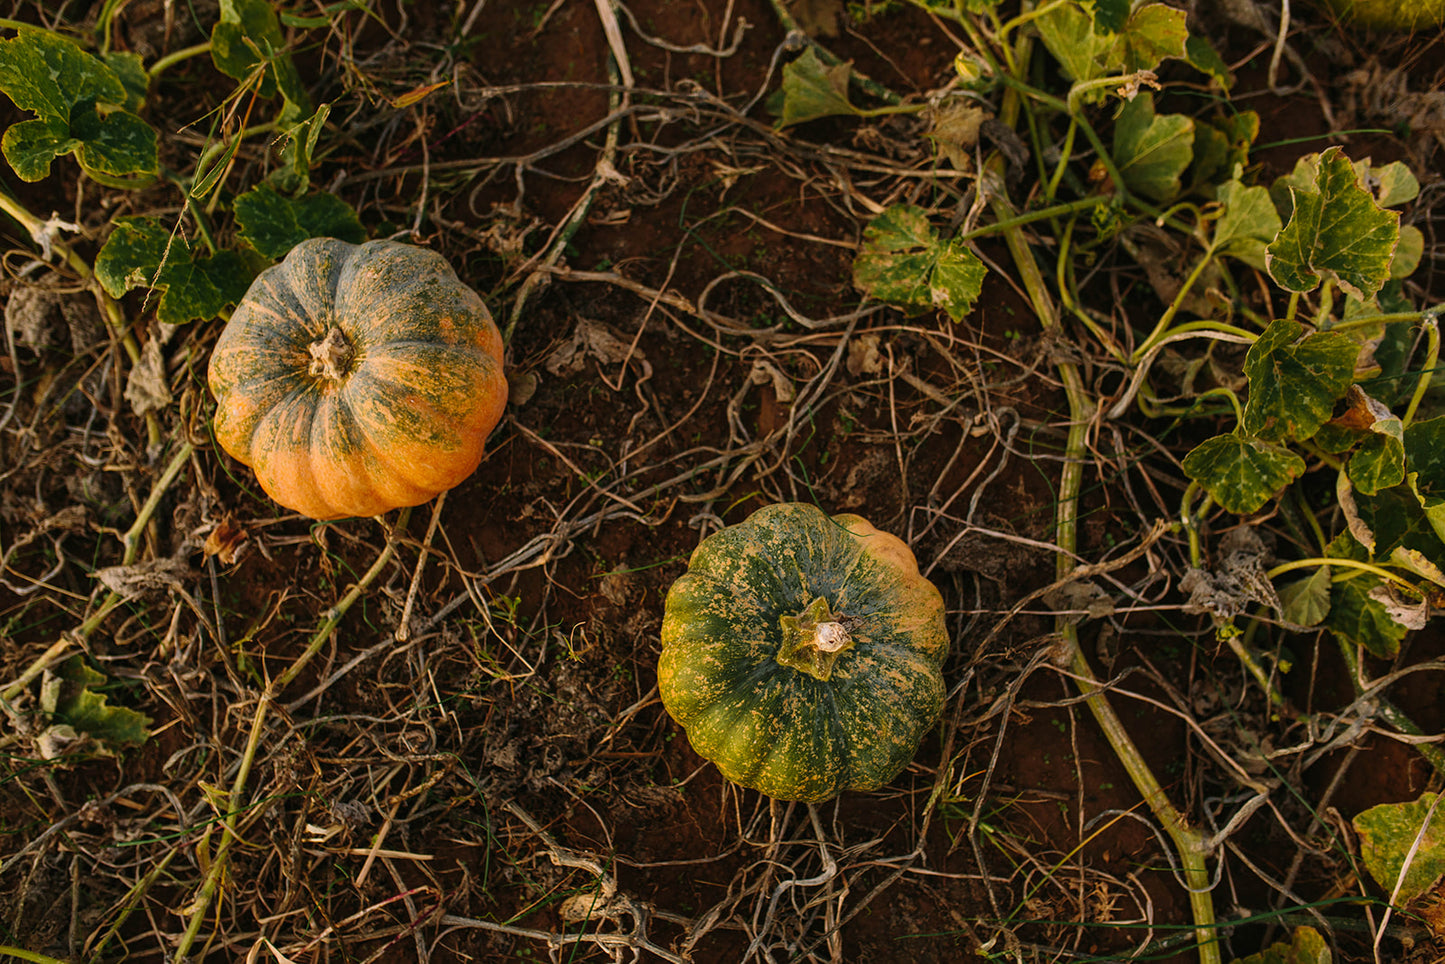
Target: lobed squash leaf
<point>80,105</point>
<point>1221,151</point>
<point>1336,229</point>
<point>1294,382</point>
<point>1109,15</point>
<point>248,39</point>
<point>1357,616</point>
<point>1088,48</point>
<point>1403,844</point>
<point>274,224</point>
<point>812,89</point>
<point>1151,150</point>
<point>142,252</point>
<point>69,696</point>
<point>1379,462</point>
<point>1242,472</point>
<point>1425,468</point>
<point>1305,946</point>
<point>905,263</point>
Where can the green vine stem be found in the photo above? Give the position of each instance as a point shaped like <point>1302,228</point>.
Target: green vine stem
<point>1192,846</point>
<point>1389,712</point>
<point>163,64</point>
<point>1162,326</point>
<point>1432,356</point>
<point>230,833</point>
<point>131,540</point>
<point>21,954</point>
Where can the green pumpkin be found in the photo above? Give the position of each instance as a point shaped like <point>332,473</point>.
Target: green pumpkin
<point>802,653</point>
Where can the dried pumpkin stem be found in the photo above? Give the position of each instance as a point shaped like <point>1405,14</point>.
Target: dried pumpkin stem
<point>813,640</point>
<point>331,356</point>
<point>1192,845</point>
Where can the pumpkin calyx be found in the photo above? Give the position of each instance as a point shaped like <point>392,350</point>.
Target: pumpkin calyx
<point>813,640</point>
<point>331,356</point>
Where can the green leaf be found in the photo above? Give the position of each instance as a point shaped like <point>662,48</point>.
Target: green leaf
<point>1154,32</point>
<point>1391,832</point>
<point>1293,383</point>
<point>1152,151</point>
<point>45,73</point>
<point>1306,946</point>
<point>1356,617</point>
<point>273,224</point>
<point>117,143</point>
<point>79,706</point>
<point>1401,531</point>
<point>1150,34</point>
<point>1221,149</point>
<point>79,104</point>
<point>1201,55</point>
<point>248,38</point>
<point>1425,468</point>
<point>1248,223</point>
<point>1379,463</point>
<point>812,89</point>
<point>141,252</point>
<point>1335,230</point>
<point>1241,472</point>
<point>130,69</point>
<point>1407,253</point>
<point>1109,15</point>
<point>294,174</point>
<point>904,262</point>
<point>1068,33</point>
<point>31,145</point>
<point>1306,602</point>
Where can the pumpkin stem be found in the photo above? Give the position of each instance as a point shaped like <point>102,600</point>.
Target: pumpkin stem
<point>813,640</point>
<point>331,356</point>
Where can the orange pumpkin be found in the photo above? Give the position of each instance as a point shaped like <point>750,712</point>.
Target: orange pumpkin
<point>356,379</point>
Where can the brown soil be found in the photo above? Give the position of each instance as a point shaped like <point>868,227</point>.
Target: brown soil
<point>506,778</point>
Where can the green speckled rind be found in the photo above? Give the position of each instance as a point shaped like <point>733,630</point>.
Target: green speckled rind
<point>408,422</point>
<point>773,728</point>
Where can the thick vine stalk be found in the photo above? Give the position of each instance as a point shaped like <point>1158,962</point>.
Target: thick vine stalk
<point>1191,845</point>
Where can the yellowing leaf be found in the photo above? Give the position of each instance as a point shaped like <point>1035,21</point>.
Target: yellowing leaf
<point>812,89</point>
<point>417,94</point>
<point>1151,33</point>
<point>141,252</point>
<point>1336,230</point>
<point>1249,222</point>
<point>1294,381</point>
<point>1152,151</point>
<point>1403,846</point>
<point>905,263</point>
<point>80,106</point>
<point>78,705</point>
<point>1241,472</point>
<point>1305,946</point>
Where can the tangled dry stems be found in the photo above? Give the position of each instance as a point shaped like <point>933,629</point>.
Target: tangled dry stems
<point>379,760</point>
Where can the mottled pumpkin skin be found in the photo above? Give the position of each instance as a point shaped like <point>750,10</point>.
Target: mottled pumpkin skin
<point>408,416</point>
<point>776,729</point>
